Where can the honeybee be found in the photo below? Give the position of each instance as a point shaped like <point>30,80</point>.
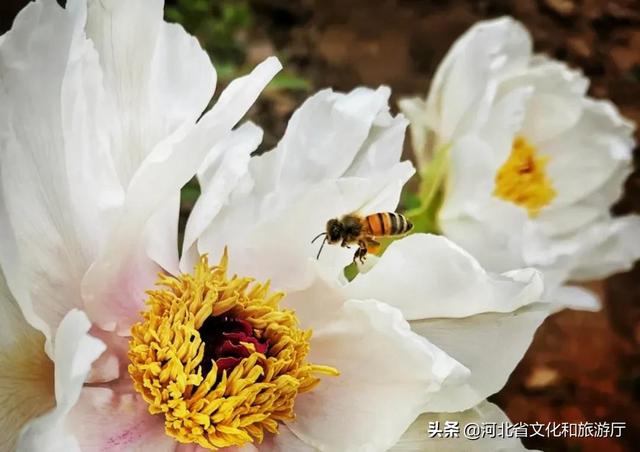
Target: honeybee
<point>363,230</point>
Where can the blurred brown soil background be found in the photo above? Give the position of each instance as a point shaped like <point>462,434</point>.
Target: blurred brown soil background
<point>581,366</point>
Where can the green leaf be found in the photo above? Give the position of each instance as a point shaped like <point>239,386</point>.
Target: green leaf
<point>174,15</point>
<point>431,193</point>
<point>287,80</point>
<point>200,6</point>
<point>409,201</point>
<point>190,192</point>
<point>351,271</point>
<point>236,15</point>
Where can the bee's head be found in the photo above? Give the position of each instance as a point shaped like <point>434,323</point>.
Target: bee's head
<point>335,230</point>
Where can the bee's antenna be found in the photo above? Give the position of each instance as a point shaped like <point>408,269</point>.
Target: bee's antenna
<point>318,236</point>
<point>321,246</point>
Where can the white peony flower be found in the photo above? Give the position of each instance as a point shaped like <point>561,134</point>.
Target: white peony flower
<point>424,329</point>
<point>92,158</point>
<point>533,163</point>
<point>99,130</point>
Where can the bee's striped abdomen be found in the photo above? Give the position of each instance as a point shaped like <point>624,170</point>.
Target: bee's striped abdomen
<point>387,223</point>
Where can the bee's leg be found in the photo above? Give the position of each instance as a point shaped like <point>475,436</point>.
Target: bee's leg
<point>356,255</point>
<point>361,254</point>
<point>344,244</point>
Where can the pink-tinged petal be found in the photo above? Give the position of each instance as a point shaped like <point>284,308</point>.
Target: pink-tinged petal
<point>114,289</point>
<point>158,81</point>
<point>114,286</point>
<point>105,420</point>
<point>112,364</point>
<point>195,448</point>
<point>284,441</point>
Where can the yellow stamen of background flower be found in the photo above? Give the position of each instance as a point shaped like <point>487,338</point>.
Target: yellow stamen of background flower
<point>201,402</point>
<point>522,179</point>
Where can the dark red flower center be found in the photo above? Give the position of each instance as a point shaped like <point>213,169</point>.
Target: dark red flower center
<point>223,338</point>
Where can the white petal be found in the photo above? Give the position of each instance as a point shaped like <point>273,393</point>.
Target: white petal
<point>158,81</point>
<point>93,181</point>
<point>598,249</point>
<point>428,276</point>
<point>325,134</point>
<point>114,285</point>
<point>365,139</point>
<point>463,86</point>
<point>569,219</point>
<point>588,209</point>
<point>556,105</point>
<point>239,95</point>
<point>161,235</point>
<point>12,266</point>
<point>26,373</point>
<point>504,337</point>
<point>75,351</point>
<point>471,177</point>
<point>575,297</point>
<point>383,147</point>
<point>421,142</point>
<point>156,75</point>
<point>278,208</point>
<point>574,217</point>
<point>416,439</point>
<point>284,223</point>
<point>56,177</point>
<point>387,376</point>
<point>507,117</point>
<point>611,247</point>
<point>497,247</point>
<point>583,160</point>
<point>218,180</point>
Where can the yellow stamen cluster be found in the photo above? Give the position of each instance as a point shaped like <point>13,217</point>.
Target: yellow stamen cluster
<point>219,409</point>
<point>522,179</point>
